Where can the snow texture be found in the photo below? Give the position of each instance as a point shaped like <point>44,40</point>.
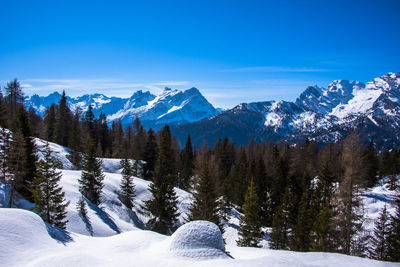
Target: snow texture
<point>198,239</point>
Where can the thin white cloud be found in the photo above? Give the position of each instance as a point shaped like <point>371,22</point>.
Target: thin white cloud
<point>274,69</point>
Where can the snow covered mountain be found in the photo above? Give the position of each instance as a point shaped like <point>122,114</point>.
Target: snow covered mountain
<point>325,114</point>
<point>174,107</point>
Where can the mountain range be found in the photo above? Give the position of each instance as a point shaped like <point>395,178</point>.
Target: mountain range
<point>371,109</point>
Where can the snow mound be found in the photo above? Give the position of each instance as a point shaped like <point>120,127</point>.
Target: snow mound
<point>22,231</point>
<point>198,239</point>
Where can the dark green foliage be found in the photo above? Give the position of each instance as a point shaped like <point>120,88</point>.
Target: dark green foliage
<point>91,181</point>
<point>47,194</point>
<point>50,123</point>
<point>281,227</point>
<point>370,165</point>
<point>239,180</point>
<point>205,205</point>
<point>301,240</point>
<point>75,140</point>
<point>187,158</point>
<point>250,222</point>
<point>16,166</point>
<point>127,187</point>
<point>150,155</point>
<point>379,241</point>
<point>21,127</point>
<point>162,208</point>
<point>323,238</point>
<point>263,185</point>
<point>63,122</point>
<point>394,236</point>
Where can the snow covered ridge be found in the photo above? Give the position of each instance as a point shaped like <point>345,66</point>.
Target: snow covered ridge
<point>323,114</point>
<point>174,107</point>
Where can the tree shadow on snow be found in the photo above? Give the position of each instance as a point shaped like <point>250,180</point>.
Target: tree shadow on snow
<point>87,223</point>
<point>104,217</point>
<point>58,234</point>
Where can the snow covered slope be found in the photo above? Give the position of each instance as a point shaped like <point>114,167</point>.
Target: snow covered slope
<point>174,107</point>
<point>113,235</point>
<point>24,241</point>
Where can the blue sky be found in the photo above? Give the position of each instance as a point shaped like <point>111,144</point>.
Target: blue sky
<point>233,51</point>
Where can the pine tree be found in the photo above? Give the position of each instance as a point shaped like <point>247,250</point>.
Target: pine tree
<point>379,240</point>
<point>281,228</point>
<point>16,161</point>
<point>162,207</point>
<point>63,122</point>
<point>263,184</point>
<point>91,181</point>
<point>150,155</point>
<point>301,231</point>
<point>127,187</point>
<point>205,205</point>
<point>394,236</point>
<point>239,181</point>
<point>50,122</point>
<point>47,194</point>
<point>187,158</point>
<point>75,140</point>
<point>28,157</point>
<point>370,165</point>
<point>250,222</point>
<point>323,237</point>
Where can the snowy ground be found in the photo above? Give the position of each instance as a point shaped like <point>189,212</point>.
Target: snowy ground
<point>114,235</point>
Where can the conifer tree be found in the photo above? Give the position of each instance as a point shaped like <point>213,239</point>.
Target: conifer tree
<point>28,157</point>
<point>379,240</point>
<point>162,208</point>
<point>205,205</point>
<point>281,228</point>
<point>323,231</point>
<point>75,140</point>
<point>239,181</point>
<point>187,158</point>
<point>16,166</point>
<point>250,222</point>
<point>91,181</point>
<point>394,236</point>
<point>127,187</point>
<point>50,123</point>
<point>47,193</point>
<point>263,184</point>
<point>301,231</point>
<point>370,165</point>
<point>63,121</point>
<point>150,155</point>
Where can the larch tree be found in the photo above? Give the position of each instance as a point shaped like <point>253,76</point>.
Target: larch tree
<point>48,197</point>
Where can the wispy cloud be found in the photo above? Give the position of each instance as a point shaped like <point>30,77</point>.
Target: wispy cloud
<point>275,69</point>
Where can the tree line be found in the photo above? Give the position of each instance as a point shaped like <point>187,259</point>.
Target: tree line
<point>309,195</point>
